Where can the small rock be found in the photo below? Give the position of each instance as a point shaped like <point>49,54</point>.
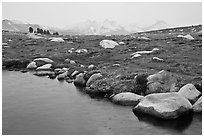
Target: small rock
<point>32,65</point>
<point>62,76</point>
<point>69,51</point>
<point>190,92</point>
<point>127,99</point>
<point>135,56</point>
<point>67,60</point>
<point>79,80</point>
<point>116,65</point>
<point>57,70</point>
<point>74,73</point>
<point>155,49</point>
<point>82,66</point>
<point>4,44</point>
<point>144,38</point>
<point>45,67</point>
<point>81,51</point>
<point>121,43</point>
<point>157,59</point>
<point>65,69</point>
<point>189,37</point>
<point>90,73</point>
<point>197,106</point>
<point>72,62</point>
<point>92,78</point>
<point>91,66</point>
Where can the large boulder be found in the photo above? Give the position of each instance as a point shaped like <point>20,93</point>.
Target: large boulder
<point>127,99</point>
<point>92,78</point>
<point>164,105</point>
<point>108,44</point>
<point>190,92</point>
<point>197,106</point>
<point>45,67</point>
<point>161,82</point>
<point>109,85</point>
<point>79,80</point>
<point>32,65</point>
<point>100,86</point>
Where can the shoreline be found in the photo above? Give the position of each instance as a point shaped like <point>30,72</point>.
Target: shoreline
<point>164,66</point>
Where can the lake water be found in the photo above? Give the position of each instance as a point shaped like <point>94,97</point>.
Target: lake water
<point>40,106</point>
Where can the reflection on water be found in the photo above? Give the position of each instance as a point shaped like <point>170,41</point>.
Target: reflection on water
<point>40,106</point>
<point>178,125</point>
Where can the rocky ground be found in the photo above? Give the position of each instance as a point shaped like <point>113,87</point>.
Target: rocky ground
<point>115,70</point>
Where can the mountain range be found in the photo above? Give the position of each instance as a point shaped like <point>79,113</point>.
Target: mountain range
<point>89,27</point>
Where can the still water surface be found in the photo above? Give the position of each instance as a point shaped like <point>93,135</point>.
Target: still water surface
<point>37,105</point>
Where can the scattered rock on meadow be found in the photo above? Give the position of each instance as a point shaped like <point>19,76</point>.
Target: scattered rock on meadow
<point>144,38</point>
<point>57,39</point>
<point>91,66</point>
<point>81,51</point>
<point>4,44</point>
<point>157,59</point>
<point>189,37</point>
<point>67,60</point>
<point>72,62</point>
<point>135,56</point>
<point>122,43</point>
<point>108,44</point>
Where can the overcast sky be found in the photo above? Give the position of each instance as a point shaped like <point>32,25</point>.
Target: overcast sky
<point>64,14</point>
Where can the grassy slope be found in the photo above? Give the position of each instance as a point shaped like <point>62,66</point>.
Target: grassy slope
<point>182,57</point>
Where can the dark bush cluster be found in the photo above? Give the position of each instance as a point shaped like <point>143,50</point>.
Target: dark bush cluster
<point>41,31</point>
